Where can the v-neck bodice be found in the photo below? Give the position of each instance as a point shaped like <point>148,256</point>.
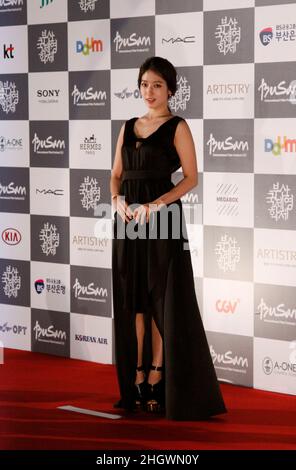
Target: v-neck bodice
<point>156,152</point>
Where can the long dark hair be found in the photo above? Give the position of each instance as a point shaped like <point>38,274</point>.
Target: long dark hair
<point>162,67</point>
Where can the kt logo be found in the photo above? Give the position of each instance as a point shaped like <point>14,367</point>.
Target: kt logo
<point>8,52</point>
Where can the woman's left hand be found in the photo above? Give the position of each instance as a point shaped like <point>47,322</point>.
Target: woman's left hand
<point>143,212</point>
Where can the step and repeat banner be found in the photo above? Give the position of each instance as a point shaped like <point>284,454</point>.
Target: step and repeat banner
<point>68,80</point>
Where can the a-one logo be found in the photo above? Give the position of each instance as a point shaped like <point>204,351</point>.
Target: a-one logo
<point>90,145</point>
<point>228,253</point>
<point>274,313</point>
<point>11,281</point>
<point>49,191</point>
<point>50,238</point>
<point>229,35</point>
<point>89,292</point>
<point>90,45</point>
<point>48,146</point>
<point>127,94</point>
<point>267,365</point>
<point>89,97</point>
<point>9,96</point>
<point>279,145</point>
<point>282,92</point>
<point>179,40</point>
<point>15,329</point>
<point>229,359</point>
<point>10,143</point>
<point>87,5</point>
<point>226,306</point>
<point>132,43</point>
<point>47,45</point>
<point>49,335</point>
<point>91,339</point>
<point>228,147</point>
<point>11,236</point>
<point>8,51</point>
<point>266,36</point>
<point>39,285</point>
<point>182,95</point>
<point>90,192</point>
<point>10,191</point>
<point>281,202</point>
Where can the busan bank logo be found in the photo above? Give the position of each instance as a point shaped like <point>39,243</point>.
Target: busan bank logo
<point>39,285</point>
<point>90,45</point>
<point>266,36</point>
<point>9,97</point>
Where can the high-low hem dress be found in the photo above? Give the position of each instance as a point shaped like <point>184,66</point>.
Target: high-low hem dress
<point>154,276</point>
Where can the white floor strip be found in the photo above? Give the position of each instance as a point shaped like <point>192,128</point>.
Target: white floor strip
<point>75,409</point>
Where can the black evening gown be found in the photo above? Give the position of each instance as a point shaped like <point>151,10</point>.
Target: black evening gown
<point>154,276</point>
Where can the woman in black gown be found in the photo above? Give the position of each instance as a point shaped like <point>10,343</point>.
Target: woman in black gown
<point>162,355</point>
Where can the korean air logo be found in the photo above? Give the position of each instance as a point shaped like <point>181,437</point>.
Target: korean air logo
<point>266,36</point>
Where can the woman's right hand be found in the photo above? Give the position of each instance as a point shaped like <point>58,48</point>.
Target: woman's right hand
<point>122,208</point>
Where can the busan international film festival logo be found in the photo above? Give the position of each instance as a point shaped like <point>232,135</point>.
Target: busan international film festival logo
<point>9,96</point>
<point>228,253</point>
<point>182,95</point>
<point>90,192</point>
<point>281,202</point>
<point>11,281</point>
<point>87,5</point>
<point>50,238</point>
<point>47,45</point>
<point>228,34</point>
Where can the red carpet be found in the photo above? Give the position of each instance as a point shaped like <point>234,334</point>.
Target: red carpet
<point>33,385</point>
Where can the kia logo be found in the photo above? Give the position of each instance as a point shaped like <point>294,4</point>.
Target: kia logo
<point>11,236</point>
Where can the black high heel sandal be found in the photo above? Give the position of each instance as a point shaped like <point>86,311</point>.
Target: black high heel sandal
<point>155,397</point>
<point>140,390</point>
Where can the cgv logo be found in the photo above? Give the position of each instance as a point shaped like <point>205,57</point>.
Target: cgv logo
<point>226,306</point>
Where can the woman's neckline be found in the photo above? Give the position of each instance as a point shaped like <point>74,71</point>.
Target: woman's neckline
<point>152,133</point>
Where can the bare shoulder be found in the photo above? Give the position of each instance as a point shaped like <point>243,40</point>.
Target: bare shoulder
<point>182,131</point>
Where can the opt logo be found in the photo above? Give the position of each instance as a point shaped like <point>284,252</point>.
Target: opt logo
<point>226,306</point>
<point>11,236</point>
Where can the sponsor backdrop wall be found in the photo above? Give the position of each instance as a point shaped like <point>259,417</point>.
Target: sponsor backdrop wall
<point>68,72</point>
